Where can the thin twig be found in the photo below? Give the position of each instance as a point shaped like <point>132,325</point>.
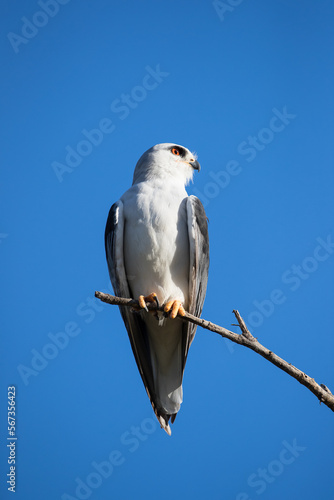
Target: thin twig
<point>245,338</point>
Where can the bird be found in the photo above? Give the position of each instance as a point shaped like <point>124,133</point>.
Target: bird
<point>157,250</point>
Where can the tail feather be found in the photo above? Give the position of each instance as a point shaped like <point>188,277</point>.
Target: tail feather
<point>163,420</point>
<point>167,370</point>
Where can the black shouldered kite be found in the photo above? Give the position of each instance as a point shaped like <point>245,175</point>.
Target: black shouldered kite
<point>157,249</point>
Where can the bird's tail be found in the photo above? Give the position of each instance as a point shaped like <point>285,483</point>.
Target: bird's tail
<point>168,404</point>
<point>164,419</point>
<point>167,371</point>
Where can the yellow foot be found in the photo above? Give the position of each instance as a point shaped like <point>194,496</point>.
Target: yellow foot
<point>175,307</point>
<point>149,298</point>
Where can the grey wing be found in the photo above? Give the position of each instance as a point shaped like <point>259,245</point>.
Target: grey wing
<point>134,324</point>
<point>199,266</point>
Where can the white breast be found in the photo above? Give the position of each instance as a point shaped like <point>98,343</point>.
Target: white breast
<point>156,244</point>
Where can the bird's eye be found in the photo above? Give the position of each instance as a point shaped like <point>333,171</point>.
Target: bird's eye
<point>176,152</point>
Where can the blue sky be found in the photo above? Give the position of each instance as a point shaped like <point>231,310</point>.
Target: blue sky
<point>88,87</point>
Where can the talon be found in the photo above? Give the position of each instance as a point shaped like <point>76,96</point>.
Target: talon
<point>142,302</point>
<point>153,298</point>
<point>149,298</point>
<point>156,300</point>
<point>175,307</point>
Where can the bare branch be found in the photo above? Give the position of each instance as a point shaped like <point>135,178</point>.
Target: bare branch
<point>245,338</point>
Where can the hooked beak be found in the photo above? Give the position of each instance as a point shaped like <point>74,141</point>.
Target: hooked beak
<point>195,165</point>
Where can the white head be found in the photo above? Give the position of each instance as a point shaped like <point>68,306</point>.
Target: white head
<point>166,160</point>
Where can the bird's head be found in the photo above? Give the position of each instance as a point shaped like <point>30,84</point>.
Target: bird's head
<point>165,161</point>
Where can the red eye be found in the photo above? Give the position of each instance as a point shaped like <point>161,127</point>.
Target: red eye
<point>176,152</point>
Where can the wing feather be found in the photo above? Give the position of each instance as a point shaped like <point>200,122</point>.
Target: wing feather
<point>199,266</point>
<point>134,324</point>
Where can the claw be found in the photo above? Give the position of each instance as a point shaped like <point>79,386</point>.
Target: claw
<point>149,298</point>
<point>142,302</point>
<point>156,300</point>
<point>175,307</point>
